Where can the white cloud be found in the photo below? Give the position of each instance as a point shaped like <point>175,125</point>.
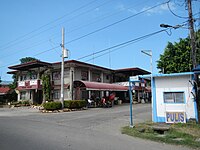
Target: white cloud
<point>157,10</point>
<point>160,9</point>
<point>132,11</point>
<point>121,7</point>
<point>97,9</point>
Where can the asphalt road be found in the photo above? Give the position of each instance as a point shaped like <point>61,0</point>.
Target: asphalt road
<point>92,129</point>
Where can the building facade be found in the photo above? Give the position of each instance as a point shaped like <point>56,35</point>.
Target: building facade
<point>81,80</point>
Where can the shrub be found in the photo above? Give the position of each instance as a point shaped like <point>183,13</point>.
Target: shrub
<point>71,104</point>
<point>21,103</point>
<point>52,105</point>
<point>25,103</point>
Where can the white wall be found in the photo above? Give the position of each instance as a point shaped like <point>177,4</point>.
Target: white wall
<point>77,75</point>
<point>174,84</point>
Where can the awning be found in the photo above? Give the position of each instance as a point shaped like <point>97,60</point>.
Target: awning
<point>99,86</point>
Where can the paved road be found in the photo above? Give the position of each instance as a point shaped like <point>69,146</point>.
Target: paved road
<point>92,129</point>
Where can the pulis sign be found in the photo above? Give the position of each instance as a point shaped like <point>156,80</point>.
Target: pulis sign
<point>175,117</point>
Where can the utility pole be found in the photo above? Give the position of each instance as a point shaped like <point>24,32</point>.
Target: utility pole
<point>193,54</point>
<point>62,68</point>
<point>192,36</point>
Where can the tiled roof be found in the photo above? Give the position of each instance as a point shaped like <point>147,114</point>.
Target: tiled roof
<point>4,90</point>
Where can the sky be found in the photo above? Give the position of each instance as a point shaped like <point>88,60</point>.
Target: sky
<point>33,29</point>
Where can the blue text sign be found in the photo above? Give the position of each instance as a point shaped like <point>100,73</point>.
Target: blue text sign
<point>175,117</point>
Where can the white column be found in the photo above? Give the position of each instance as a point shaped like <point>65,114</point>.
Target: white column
<point>18,96</point>
<point>102,79</point>
<point>89,79</point>
<point>71,81</point>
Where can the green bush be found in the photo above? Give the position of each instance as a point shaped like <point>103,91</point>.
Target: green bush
<point>71,104</point>
<point>52,105</point>
<point>25,102</point>
<point>21,103</point>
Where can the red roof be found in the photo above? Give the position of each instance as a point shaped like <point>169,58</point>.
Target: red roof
<point>83,63</point>
<point>100,86</point>
<point>4,90</point>
<point>28,65</point>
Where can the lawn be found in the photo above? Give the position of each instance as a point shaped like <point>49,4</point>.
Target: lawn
<point>179,134</point>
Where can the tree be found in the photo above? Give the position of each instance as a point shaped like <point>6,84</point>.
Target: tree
<point>46,87</point>
<point>27,59</point>
<point>177,56</point>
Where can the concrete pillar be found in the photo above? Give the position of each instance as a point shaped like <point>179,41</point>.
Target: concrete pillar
<point>71,82</point>
<point>89,79</point>
<point>18,96</point>
<point>38,73</point>
<point>102,80</point>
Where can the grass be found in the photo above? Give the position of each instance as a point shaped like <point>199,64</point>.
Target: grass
<point>178,134</point>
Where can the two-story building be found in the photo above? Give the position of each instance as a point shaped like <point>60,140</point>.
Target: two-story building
<point>81,80</point>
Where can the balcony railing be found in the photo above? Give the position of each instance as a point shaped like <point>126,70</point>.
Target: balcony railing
<point>30,84</point>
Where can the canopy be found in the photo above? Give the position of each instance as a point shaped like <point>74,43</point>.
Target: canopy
<point>99,86</point>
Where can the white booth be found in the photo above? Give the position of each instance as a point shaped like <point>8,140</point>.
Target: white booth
<point>173,97</point>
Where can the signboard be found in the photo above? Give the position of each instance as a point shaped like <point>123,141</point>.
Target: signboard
<point>175,117</point>
<point>134,79</point>
<point>21,83</point>
<point>123,83</point>
<point>33,82</point>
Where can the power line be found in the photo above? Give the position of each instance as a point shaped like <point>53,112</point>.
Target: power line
<point>97,20</point>
<point>118,46</point>
<point>115,47</point>
<point>67,32</point>
<point>174,13</point>
<point>124,43</point>
<point>75,17</point>
<point>117,22</point>
<point>73,11</point>
<point>105,27</point>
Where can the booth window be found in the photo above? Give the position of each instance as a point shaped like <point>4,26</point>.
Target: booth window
<point>173,97</point>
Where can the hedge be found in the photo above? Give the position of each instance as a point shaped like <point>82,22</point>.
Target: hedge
<point>52,105</point>
<point>71,104</point>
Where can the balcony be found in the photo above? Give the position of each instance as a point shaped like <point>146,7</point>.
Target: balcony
<point>29,84</point>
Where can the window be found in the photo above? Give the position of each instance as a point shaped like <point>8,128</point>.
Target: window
<point>33,76</point>
<point>56,75</point>
<point>107,77</point>
<point>84,75</point>
<point>22,77</point>
<point>23,95</point>
<point>174,97</point>
<point>56,94</point>
<point>96,77</point>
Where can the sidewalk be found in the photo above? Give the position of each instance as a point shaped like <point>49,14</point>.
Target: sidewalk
<point>17,111</point>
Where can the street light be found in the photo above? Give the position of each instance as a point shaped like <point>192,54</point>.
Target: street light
<point>149,53</point>
<point>169,26</point>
